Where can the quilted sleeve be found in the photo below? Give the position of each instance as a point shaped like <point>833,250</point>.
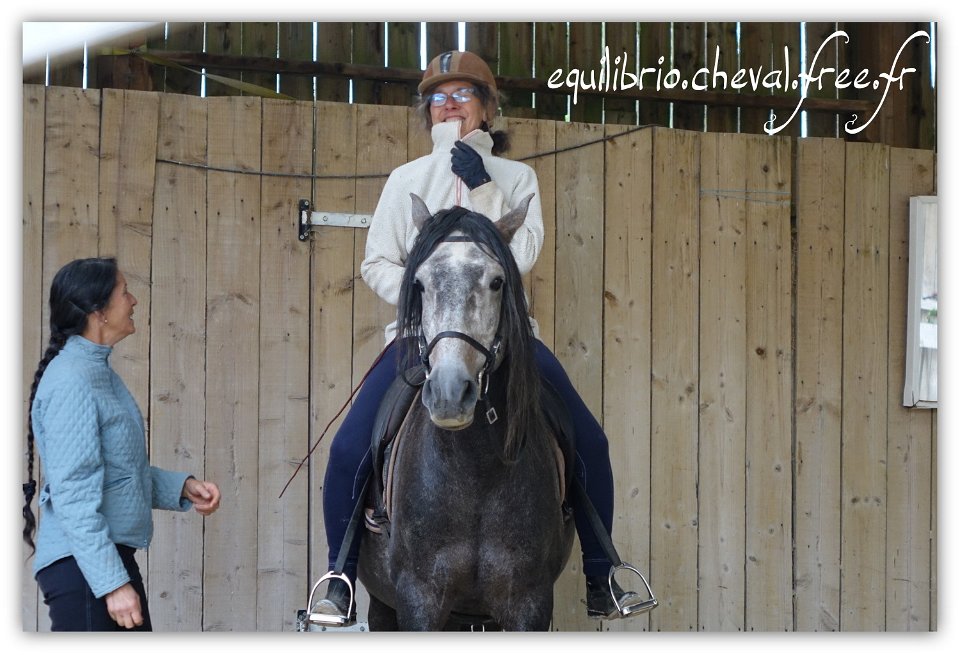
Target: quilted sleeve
<point>67,428</point>
<point>167,486</point>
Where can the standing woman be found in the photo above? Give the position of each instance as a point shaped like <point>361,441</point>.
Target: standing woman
<point>459,100</point>
<point>99,488</point>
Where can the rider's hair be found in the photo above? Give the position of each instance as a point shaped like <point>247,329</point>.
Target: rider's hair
<point>79,288</point>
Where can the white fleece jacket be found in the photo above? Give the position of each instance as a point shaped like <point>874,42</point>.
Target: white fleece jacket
<point>392,232</point>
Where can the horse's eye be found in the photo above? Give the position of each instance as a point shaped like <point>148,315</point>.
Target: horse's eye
<point>496,284</point>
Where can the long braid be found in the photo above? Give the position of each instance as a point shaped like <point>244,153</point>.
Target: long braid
<point>79,288</point>
<point>57,341</point>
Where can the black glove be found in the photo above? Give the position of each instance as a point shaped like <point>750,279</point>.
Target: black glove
<point>468,165</point>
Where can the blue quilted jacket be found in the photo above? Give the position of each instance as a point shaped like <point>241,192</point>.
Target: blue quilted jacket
<point>98,486</point>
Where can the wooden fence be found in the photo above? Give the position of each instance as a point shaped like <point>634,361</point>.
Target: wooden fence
<point>379,63</point>
<point>731,306</point>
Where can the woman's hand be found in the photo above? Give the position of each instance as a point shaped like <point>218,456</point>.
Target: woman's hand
<point>123,605</point>
<point>204,495</point>
<point>466,163</point>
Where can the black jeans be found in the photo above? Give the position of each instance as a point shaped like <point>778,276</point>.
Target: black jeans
<point>73,607</point>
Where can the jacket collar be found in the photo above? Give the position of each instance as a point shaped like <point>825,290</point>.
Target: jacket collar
<point>444,135</point>
<point>87,349</point>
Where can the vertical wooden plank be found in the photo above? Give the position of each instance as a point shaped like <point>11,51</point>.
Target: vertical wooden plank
<point>177,360</point>
<point>119,71</point>
<point>674,379</point>
<point>331,308</point>
<point>755,52</point>
<point>223,39</point>
<point>551,54</point>
<point>627,315</point>
<point>688,58</point>
<point>621,39</point>
<point>516,60</point>
<point>441,37</point>
<point>927,100</point>
<point>71,179</point>
<point>295,42</point>
<point>934,522</point>
<point>403,52</point>
<point>821,123</point>
<point>579,281</point>
<point>368,48</point>
<point>529,140</point>
<point>259,39</point>
<point>653,44</point>
<point>909,450</point>
<point>769,533</point>
<point>34,297</point>
<point>865,353</point>
<point>284,367</point>
<point>785,56</point>
<point>232,357</point>
<point>723,381</point>
<point>819,355</point>
<point>586,48</point>
<point>66,69</point>
<point>35,72</point>
<point>722,51</point>
<point>419,140</point>
<point>381,140</point>
<point>128,152</point>
<point>897,119</point>
<point>333,45</point>
<point>128,147</point>
<point>381,136</point>
<point>579,310</point>
<point>483,40</point>
<point>183,37</point>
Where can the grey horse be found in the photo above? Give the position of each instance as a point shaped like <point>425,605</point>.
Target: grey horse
<point>478,531</point>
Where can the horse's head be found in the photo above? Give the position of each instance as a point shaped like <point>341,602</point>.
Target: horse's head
<point>463,303</point>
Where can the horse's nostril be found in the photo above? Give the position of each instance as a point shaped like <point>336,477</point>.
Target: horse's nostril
<point>469,390</point>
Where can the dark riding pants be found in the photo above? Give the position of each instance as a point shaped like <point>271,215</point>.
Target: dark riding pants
<point>349,463</point>
<point>74,608</point>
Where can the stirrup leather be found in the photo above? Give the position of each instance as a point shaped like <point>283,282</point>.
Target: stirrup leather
<point>632,609</point>
<point>328,619</point>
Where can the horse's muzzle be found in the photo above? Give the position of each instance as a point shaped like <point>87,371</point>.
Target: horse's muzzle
<point>450,395</point>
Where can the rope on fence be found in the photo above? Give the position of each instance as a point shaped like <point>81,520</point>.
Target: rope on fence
<point>313,176</point>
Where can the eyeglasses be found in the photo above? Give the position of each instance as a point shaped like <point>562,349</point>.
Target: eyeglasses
<point>460,95</point>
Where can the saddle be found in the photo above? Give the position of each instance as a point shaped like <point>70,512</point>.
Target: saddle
<point>394,409</point>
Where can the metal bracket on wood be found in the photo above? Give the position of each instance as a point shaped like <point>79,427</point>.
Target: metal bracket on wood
<point>307,220</point>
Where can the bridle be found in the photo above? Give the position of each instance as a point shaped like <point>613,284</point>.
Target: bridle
<point>490,354</point>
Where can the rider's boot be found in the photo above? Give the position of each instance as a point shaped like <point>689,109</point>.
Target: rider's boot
<point>600,598</point>
<point>336,602</point>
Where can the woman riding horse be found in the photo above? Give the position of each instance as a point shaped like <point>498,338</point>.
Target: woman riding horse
<point>459,99</point>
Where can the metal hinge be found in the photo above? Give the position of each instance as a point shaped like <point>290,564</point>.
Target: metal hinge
<point>307,220</point>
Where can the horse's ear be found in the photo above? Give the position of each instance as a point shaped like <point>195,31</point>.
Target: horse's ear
<point>420,212</point>
<point>512,220</point>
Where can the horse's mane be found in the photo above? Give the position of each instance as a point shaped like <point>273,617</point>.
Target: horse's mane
<point>524,415</point>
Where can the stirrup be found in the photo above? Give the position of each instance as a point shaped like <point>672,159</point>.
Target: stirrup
<point>331,620</point>
<point>632,609</point>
